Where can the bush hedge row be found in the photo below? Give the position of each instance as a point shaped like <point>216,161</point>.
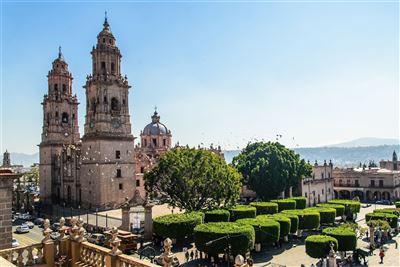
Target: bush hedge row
<point>240,237</point>
<point>294,222</point>
<point>301,202</point>
<point>390,218</point>
<point>177,225</point>
<point>219,215</point>
<point>327,215</point>
<point>267,231</point>
<point>338,207</point>
<point>388,210</point>
<point>318,246</point>
<point>265,207</point>
<point>242,211</point>
<point>307,219</point>
<point>351,206</point>
<point>397,204</point>
<point>284,222</point>
<point>285,204</point>
<point>346,237</point>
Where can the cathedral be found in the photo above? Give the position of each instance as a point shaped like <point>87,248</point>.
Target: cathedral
<point>101,168</point>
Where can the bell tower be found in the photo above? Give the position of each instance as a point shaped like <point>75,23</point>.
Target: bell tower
<point>60,122</point>
<point>107,145</point>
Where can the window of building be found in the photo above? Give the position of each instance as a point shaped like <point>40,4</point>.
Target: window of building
<point>154,142</point>
<point>380,183</point>
<point>348,181</point>
<point>356,183</point>
<point>105,99</point>
<point>64,117</point>
<point>115,104</point>
<point>104,40</point>
<point>142,169</point>
<point>138,182</point>
<point>117,154</point>
<point>64,88</point>
<point>123,101</point>
<point>313,192</point>
<point>121,186</point>
<point>112,67</point>
<point>110,41</point>
<point>322,175</point>
<point>119,174</point>
<point>329,190</point>
<point>103,65</point>
<point>56,88</point>
<point>145,142</point>
<point>329,175</point>
<point>305,194</point>
<point>340,181</point>
<point>322,191</point>
<point>372,183</point>
<point>164,142</point>
<point>56,114</point>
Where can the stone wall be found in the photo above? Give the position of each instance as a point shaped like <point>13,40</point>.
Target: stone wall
<point>6,184</point>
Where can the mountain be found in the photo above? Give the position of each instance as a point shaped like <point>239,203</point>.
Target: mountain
<point>368,141</point>
<point>22,159</point>
<point>340,156</point>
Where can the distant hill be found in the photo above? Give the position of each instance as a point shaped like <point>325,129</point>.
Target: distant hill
<point>368,141</point>
<point>22,159</point>
<point>340,156</point>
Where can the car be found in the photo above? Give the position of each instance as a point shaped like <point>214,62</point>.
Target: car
<point>383,202</point>
<point>25,216</point>
<point>97,239</point>
<point>55,227</point>
<point>54,235</point>
<point>30,224</point>
<point>23,228</point>
<point>14,243</point>
<point>38,221</point>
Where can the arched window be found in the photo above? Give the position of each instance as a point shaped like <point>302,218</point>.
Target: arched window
<point>56,88</point>
<point>112,67</point>
<point>115,104</point>
<point>64,117</point>
<point>57,114</point>
<point>93,104</point>
<point>64,88</point>
<point>105,99</point>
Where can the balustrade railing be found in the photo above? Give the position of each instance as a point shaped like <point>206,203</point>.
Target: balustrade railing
<point>129,261</point>
<point>24,256</point>
<point>93,255</point>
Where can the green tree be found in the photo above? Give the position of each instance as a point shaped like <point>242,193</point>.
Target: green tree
<point>269,168</point>
<point>32,176</point>
<point>193,179</point>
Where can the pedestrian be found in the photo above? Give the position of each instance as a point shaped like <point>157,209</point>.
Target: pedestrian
<point>187,256</point>
<point>191,255</point>
<point>280,243</point>
<point>381,255</point>
<point>367,234</point>
<point>196,254</point>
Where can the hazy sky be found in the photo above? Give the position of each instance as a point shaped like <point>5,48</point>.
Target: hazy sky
<point>222,73</point>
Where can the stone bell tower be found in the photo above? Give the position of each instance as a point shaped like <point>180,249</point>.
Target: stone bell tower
<point>107,172</point>
<point>60,123</point>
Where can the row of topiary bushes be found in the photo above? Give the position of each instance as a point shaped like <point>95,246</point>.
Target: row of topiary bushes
<point>392,219</point>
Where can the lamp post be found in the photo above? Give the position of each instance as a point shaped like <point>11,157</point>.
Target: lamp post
<point>79,212</point>
<point>97,219</point>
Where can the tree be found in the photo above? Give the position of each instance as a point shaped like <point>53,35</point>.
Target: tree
<point>32,176</point>
<point>193,179</point>
<point>270,168</point>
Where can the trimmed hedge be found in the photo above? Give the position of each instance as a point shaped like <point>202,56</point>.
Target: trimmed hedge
<point>327,215</point>
<point>240,236</point>
<point>318,246</point>
<point>384,225</point>
<point>338,207</point>
<point>285,204</point>
<point>307,219</point>
<point>177,225</point>
<point>242,211</point>
<point>346,237</point>
<point>397,204</point>
<point>390,218</point>
<point>265,207</point>
<point>216,216</point>
<point>284,222</point>
<point>301,202</point>
<point>350,206</point>
<point>267,231</point>
<point>294,222</point>
<point>388,210</point>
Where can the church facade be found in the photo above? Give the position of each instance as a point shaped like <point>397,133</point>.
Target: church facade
<point>99,169</point>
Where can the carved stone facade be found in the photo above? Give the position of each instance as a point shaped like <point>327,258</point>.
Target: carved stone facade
<point>99,171</point>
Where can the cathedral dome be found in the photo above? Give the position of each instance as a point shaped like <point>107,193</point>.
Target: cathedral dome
<point>155,127</point>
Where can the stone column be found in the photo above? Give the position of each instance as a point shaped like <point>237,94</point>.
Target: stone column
<point>6,189</point>
<point>126,220</point>
<point>48,244</point>
<point>148,221</point>
<point>64,245</point>
<point>112,259</point>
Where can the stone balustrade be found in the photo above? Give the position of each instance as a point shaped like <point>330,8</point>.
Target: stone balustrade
<point>24,256</point>
<point>93,255</point>
<point>128,261</point>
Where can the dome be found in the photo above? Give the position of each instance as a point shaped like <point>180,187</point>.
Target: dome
<point>155,127</point>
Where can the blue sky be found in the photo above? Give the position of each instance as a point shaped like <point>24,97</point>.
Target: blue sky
<point>223,73</point>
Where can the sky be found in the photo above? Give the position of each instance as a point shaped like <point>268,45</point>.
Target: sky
<point>225,73</point>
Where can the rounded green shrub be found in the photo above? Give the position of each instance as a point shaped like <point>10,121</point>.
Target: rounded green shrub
<point>327,215</point>
<point>209,237</point>
<point>265,207</point>
<point>338,207</point>
<point>318,246</point>
<point>307,219</point>
<point>294,222</point>
<point>350,206</point>
<point>388,210</point>
<point>284,222</point>
<point>390,218</point>
<point>216,216</point>
<point>285,204</point>
<point>346,237</point>
<point>301,202</point>
<point>397,204</point>
<point>267,231</point>
<point>177,225</point>
<point>242,211</point>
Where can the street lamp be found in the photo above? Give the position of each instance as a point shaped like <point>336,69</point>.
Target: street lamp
<point>79,212</point>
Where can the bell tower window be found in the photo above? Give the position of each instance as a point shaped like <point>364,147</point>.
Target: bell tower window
<point>104,40</point>
<point>64,88</point>
<point>154,142</point>
<point>112,67</point>
<point>64,117</point>
<point>56,88</point>
<point>115,104</point>
<point>57,114</point>
<point>103,65</point>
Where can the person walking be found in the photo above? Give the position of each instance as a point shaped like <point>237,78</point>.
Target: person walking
<point>381,255</point>
<point>191,255</point>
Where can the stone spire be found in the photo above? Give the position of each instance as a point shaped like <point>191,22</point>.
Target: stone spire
<point>6,159</point>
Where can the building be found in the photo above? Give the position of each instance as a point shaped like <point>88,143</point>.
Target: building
<point>369,183</point>
<point>393,165</point>
<point>96,171</point>
<point>319,187</point>
<point>6,160</point>
<point>155,139</point>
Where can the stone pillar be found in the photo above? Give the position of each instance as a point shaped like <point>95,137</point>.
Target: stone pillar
<point>332,256</point>
<point>148,221</point>
<point>126,221</point>
<point>64,245</point>
<point>48,244</point>
<point>6,188</point>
